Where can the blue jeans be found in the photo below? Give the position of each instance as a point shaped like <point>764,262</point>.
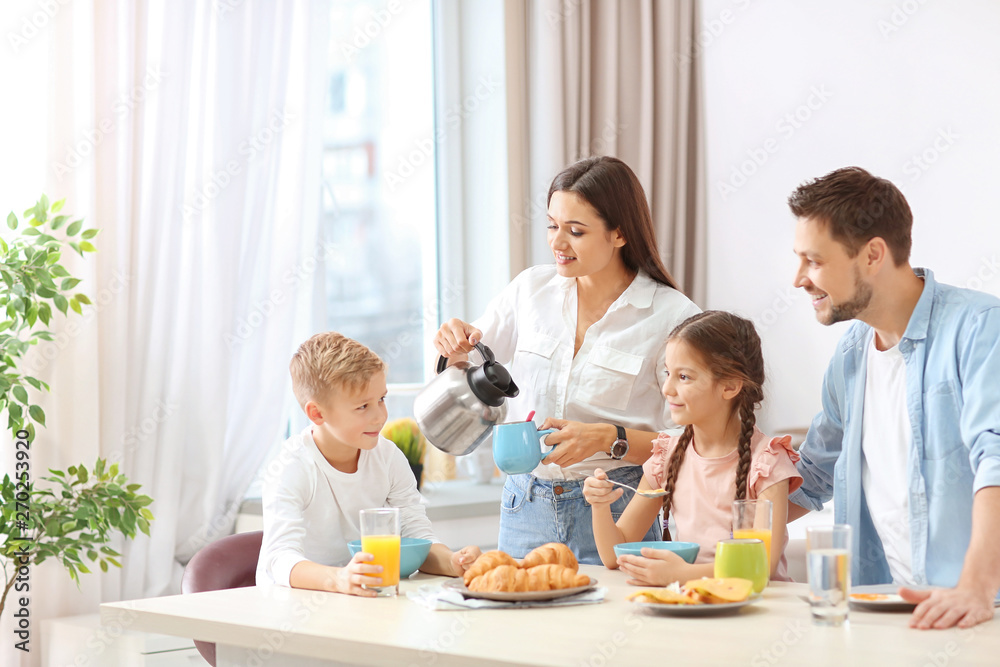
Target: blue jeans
<point>535,511</point>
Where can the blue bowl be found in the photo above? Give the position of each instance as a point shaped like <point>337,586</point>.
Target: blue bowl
<point>686,550</point>
<point>412,553</point>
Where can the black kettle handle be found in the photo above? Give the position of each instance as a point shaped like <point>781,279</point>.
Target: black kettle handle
<point>487,354</point>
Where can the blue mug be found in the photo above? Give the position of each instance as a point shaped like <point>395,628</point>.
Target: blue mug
<point>517,447</point>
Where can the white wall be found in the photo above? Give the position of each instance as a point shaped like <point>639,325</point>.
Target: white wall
<point>908,90</point>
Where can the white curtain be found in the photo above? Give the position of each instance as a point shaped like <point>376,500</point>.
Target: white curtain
<point>190,133</point>
<point>614,77</point>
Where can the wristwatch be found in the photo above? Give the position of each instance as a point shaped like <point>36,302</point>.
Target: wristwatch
<point>619,448</point>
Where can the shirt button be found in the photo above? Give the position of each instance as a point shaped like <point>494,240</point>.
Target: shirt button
<point>558,490</point>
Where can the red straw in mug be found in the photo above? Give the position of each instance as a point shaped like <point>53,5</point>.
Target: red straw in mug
<point>531,415</point>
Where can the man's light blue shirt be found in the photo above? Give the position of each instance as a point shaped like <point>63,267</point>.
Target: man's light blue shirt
<point>951,347</point>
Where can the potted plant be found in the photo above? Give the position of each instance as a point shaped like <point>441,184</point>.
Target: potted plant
<point>407,436</point>
<point>79,511</point>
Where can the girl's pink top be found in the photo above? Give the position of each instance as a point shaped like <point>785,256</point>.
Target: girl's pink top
<point>706,487</point>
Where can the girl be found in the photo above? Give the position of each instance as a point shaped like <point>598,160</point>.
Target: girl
<point>715,375</point>
<point>584,338</point>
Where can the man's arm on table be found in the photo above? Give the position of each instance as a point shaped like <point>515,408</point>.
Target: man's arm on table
<point>971,601</point>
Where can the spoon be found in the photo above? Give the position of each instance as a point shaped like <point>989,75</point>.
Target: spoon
<point>645,493</point>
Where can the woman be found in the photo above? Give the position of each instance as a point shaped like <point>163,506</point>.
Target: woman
<point>584,340</point>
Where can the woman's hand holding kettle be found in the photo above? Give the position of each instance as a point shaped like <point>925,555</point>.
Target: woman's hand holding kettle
<point>456,337</point>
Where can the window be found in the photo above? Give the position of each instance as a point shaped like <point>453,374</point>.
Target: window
<point>379,209</point>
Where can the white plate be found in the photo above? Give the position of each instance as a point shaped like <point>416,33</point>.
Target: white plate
<point>891,602</point>
<point>695,609</point>
<point>459,585</point>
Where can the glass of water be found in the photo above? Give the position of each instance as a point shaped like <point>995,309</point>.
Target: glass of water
<point>828,565</point>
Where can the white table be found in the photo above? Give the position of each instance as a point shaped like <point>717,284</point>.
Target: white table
<point>281,626</point>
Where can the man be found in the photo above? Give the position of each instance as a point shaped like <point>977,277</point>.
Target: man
<point>908,441</point>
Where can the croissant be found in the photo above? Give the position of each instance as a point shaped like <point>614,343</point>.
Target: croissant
<point>487,562</point>
<point>551,577</point>
<point>552,553</point>
<point>502,579</point>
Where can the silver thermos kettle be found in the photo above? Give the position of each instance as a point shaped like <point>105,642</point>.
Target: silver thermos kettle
<point>457,409</point>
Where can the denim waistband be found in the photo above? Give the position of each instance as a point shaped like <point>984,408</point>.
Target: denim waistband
<point>568,489</point>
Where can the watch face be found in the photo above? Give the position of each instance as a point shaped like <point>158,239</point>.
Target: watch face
<point>619,448</point>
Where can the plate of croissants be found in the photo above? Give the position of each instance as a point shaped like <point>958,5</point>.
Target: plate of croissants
<point>545,573</point>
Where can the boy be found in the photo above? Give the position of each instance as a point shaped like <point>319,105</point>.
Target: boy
<point>334,468</point>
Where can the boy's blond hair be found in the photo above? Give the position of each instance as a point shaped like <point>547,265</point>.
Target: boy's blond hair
<point>329,360</point>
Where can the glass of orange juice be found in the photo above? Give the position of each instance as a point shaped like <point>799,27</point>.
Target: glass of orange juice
<point>380,538</point>
<point>752,520</point>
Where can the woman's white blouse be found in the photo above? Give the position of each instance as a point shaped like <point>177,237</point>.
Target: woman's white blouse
<point>616,376</point>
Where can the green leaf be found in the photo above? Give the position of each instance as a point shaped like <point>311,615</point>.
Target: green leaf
<point>20,393</point>
<point>11,221</point>
<point>59,221</point>
<point>58,205</point>
<point>69,283</point>
<point>104,566</point>
<point>43,203</point>
<point>39,416</point>
<point>34,383</point>
<point>75,305</point>
<point>87,246</point>
<point>90,233</point>
<point>74,228</point>
<point>83,298</point>
<point>59,272</point>
<point>61,303</point>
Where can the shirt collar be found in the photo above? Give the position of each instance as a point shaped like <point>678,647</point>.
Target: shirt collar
<point>639,293</point>
<point>920,319</point>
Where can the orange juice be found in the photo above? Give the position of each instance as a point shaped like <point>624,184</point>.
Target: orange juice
<point>385,549</point>
<point>755,534</point>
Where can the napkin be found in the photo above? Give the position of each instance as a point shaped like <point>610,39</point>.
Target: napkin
<point>436,597</point>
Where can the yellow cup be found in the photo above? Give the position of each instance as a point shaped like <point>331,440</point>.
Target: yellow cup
<point>743,558</point>
<point>380,538</point>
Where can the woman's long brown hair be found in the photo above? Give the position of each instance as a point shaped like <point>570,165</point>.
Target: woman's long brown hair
<point>614,191</point>
<point>730,348</point>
